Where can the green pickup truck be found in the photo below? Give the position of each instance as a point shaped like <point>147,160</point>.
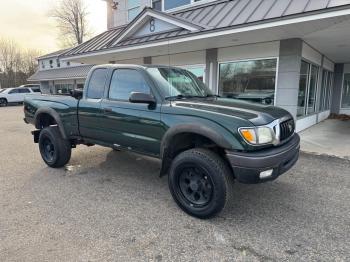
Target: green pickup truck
<point>204,142</point>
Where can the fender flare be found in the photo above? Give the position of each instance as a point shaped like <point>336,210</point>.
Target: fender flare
<point>54,115</point>
<point>194,129</point>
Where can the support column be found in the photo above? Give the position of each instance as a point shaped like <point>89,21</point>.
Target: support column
<point>319,89</point>
<point>289,74</point>
<point>211,72</point>
<point>147,60</point>
<point>337,88</point>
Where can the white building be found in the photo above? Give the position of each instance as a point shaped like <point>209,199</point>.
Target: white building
<point>291,53</point>
<point>58,77</point>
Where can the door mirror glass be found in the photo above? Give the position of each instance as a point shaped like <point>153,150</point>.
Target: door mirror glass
<point>141,98</point>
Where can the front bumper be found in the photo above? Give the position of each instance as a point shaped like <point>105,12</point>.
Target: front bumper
<point>248,166</point>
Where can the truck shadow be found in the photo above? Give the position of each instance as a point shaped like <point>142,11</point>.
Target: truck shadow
<point>253,202</point>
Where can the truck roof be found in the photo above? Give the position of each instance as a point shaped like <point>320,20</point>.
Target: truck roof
<point>132,66</point>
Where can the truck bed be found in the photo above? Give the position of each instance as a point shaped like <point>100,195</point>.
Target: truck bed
<point>65,106</point>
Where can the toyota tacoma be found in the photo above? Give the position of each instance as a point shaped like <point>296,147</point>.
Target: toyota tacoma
<point>204,142</point>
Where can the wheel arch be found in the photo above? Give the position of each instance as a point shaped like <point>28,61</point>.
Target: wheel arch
<point>197,134</point>
<point>47,116</point>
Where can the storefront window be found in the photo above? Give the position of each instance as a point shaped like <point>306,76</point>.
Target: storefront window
<point>345,103</point>
<point>326,90</point>
<point>304,79</point>
<point>252,81</point>
<point>198,71</point>
<point>307,89</point>
<point>63,89</point>
<point>311,108</point>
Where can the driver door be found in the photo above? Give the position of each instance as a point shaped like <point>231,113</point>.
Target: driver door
<point>133,126</point>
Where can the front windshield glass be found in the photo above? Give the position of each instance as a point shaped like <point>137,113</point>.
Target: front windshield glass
<point>177,82</point>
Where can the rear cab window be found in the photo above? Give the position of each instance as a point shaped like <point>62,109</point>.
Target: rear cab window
<point>97,83</point>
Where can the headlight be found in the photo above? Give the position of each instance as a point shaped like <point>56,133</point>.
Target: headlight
<point>264,135</point>
<point>258,135</point>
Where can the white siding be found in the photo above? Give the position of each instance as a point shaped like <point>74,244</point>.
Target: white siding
<point>54,64</point>
<point>250,51</point>
<point>120,15</point>
<point>135,61</point>
<point>190,58</point>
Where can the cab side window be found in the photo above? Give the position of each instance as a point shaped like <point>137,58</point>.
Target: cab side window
<point>97,83</point>
<point>126,81</point>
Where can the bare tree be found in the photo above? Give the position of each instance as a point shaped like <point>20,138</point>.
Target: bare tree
<point>71,17</point>
<point>16,64</point>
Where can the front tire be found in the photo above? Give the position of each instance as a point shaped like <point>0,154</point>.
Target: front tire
<point>54,150</point>
<point>3,102</point>
<point>200,182</point>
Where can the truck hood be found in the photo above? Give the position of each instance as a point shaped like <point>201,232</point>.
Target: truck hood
<point>255,113</point>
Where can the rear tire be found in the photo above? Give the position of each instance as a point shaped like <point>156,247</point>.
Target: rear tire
<point>200,182</point>
<point>3,102</point>
<point>54,150</point>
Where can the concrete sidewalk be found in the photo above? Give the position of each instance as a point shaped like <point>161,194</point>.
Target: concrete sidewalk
<point>330,137</point>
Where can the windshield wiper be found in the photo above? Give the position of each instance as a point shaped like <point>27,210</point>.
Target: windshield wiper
<point>211,95</point>
<point>179,97</point>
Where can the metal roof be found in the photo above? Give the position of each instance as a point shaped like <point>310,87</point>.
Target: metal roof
<point>54,54</point>
<point>76,72</point>
<point>97,43</point>
<point>216,15</point>
<point>229,13</point>
<point>153,37</point>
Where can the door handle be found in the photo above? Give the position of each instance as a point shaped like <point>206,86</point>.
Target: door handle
<point>107,110</point>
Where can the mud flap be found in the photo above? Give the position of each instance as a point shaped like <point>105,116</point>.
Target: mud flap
<point>36,135</point>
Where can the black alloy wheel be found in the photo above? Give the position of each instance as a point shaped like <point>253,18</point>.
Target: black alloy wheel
<point>200,182</point>
<point>47,149</point>
<point>195,185</point>
<point>54,150</point>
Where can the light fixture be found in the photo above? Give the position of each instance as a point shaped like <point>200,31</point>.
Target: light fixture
<point>114,4</point>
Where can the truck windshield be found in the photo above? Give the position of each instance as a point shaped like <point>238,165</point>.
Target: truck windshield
<point>178,83</point>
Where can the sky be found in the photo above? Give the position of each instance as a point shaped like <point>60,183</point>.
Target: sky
<point>27,22</point>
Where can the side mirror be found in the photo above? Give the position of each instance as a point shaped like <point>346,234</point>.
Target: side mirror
<point>141,98</point>
<point>76,93</point>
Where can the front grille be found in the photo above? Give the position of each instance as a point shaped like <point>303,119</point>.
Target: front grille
<point>287,129</point>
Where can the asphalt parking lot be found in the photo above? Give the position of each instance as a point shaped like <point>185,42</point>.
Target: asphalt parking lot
<point>112,206</point>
